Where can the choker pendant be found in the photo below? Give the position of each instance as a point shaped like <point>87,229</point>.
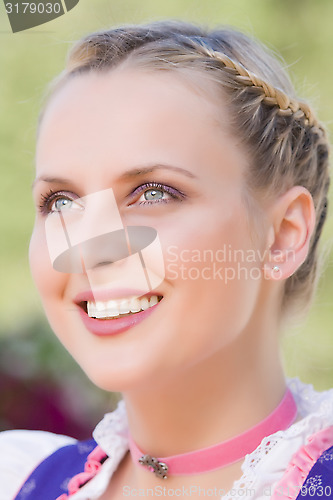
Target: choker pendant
<point>160,469</point>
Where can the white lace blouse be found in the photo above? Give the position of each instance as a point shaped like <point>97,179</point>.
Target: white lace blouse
<point>21,451</point>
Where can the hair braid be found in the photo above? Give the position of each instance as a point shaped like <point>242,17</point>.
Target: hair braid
<point>271,95</point>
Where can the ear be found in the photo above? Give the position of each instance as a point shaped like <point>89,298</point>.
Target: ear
<point>291,224</point>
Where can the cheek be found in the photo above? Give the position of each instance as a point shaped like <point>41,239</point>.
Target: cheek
<point>213,281</point>
<point>48,281</point>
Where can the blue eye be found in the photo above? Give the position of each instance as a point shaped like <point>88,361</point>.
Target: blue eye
<point>61,204</point>
<point>58,202</point>
<point>152,193</point>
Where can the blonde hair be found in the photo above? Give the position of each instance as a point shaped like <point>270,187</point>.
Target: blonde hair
<point>286,143</point>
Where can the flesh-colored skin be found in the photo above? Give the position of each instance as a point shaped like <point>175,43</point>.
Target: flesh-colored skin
<point>205,365</point>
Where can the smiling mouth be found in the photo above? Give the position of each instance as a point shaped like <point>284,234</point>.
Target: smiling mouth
<point>114,309</point>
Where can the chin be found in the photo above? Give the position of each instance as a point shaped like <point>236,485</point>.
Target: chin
<point>112,379</point>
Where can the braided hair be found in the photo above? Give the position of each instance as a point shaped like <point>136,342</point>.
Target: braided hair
<point>287,144</point>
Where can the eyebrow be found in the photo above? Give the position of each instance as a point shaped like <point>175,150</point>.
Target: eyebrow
<point>135,172</point>
<point>51,180</point>
<point>151,168</point>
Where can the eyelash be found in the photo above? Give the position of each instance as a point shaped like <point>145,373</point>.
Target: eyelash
<point>174,193</point>
<point>48,198</point>
<point>51,196</point>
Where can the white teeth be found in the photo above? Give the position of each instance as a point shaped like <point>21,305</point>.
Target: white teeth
<point>153,300</point>
<point>144,303</point>
<point>124,307</point>
<point>135,305</point>
<point>111,309</point>
<point>114,308</point>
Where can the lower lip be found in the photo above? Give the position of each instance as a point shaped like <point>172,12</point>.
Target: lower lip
<point>104,327</point>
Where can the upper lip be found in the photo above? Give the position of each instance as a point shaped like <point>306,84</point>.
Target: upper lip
<point>111,294</point>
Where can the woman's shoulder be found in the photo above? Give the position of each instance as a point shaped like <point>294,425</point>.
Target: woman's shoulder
<point>284,459</point>
<point>21,452</point>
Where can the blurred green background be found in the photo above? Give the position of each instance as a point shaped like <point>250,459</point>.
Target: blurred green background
<point>300,30</point>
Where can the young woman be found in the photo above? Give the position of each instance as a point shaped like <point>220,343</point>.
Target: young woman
<point>181,190</point>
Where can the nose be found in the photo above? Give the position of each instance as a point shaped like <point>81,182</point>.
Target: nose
<point>93,236</point>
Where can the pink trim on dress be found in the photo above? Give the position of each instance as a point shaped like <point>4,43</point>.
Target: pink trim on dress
<point>300,465</point>
<point>91,468</point>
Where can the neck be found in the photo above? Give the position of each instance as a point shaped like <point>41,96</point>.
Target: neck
<point>209,403</point>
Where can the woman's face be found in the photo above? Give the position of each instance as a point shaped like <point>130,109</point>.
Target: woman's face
<point>160,148</point>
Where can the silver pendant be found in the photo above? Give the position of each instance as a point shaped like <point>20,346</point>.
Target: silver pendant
<point>160,469</point>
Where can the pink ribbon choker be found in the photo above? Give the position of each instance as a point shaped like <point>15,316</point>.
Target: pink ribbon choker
<point>222,454</point>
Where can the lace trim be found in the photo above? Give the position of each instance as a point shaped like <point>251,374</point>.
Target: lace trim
<point>117,423</point>
<point>111,436</point>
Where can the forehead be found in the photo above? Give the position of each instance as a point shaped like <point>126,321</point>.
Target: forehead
<point>129,116</point>
<point>124,92</point>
